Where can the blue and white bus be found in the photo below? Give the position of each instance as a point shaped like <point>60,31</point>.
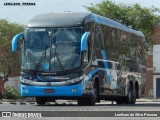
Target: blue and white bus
<point>83,57</point>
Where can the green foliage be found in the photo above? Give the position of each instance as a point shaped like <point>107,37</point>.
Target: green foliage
<point>134,16</point>
<point>151,93</point>
<point>11,93</point>
<point>9,62</point>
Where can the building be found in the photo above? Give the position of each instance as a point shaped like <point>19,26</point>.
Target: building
<point>150,72</point>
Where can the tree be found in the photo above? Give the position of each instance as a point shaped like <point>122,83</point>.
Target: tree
<point>134,16</point>
<point>9,62</point>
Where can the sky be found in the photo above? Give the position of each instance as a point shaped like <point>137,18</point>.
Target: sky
<point>22,14</point>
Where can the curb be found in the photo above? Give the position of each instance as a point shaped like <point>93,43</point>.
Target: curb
<point>34,103</point>
<point>24,102</point>
<point>14,102</point>
<point>20,103</point>
<point>148,99</point>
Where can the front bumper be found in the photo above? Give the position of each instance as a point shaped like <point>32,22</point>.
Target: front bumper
<point>63,91</point>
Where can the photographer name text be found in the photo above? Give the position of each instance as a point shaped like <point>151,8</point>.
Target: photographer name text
<point>19,4</point>
<point>136,114</point>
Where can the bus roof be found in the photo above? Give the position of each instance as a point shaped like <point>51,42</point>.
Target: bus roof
<point>75,19</point>
<point>58,20</point>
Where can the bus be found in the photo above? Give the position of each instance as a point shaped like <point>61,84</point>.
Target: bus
<point>81,56</point>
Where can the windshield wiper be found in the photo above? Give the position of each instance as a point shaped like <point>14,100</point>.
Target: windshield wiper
<point>39,62</point>
<point>57,56</point>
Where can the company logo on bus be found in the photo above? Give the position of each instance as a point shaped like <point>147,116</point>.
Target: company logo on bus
<point>49,74</point>
<point>48,84</point>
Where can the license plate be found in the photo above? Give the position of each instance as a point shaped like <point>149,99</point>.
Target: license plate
<point>48,91</point>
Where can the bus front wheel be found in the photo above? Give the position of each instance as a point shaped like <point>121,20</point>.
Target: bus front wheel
<point>41,100</point>
<point>93,98</point>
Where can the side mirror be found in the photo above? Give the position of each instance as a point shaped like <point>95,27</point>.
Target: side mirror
<point>84,41</point>
<point>15,40</point>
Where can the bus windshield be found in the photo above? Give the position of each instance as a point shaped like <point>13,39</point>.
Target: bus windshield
<point>51,49</point>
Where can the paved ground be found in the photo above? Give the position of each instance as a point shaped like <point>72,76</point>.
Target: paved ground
<point>148,99</point>
<point>32,101</point>
<point>104,108</point>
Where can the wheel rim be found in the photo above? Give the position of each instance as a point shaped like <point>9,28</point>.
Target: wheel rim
<point>130,97</point>
<point>95,93</point>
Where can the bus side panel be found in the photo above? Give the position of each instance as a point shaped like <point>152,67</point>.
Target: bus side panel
<point>123,50</point>
<point>126,54</point>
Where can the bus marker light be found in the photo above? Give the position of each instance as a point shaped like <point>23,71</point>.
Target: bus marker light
<point>74,89</point>
<point>26,91</point>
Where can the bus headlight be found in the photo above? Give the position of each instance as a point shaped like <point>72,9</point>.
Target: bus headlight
<point>26,76</point>
<point>23,80</point>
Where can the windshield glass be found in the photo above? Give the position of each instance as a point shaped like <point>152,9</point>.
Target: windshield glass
<point>51,49</point>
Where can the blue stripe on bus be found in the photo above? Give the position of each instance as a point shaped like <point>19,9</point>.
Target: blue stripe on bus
<point>90,75</point>
<point>111,23</point>
<point>103,52</point>
<point>96,18</point>
<point>93,72</point>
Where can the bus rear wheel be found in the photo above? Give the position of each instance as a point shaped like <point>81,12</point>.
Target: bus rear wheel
<point>131,97</point>
<point>120,101</point>
<point>41,100</point>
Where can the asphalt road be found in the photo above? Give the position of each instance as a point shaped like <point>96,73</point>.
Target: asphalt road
<point>72,106</point>
<point>69,110</point>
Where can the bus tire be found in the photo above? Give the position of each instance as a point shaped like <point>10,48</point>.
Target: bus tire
<point>41,100</point>
<point>119,101</point>
<point>130,98</point>
<point>90,100</point>
<point>93,98</point>
<point>81,102</point>
<point>134,95</point>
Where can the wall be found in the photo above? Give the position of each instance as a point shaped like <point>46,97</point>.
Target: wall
<point>13,81</point>
<point>149,75</point>
<point>156,36</point>
<point>149,71</point>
